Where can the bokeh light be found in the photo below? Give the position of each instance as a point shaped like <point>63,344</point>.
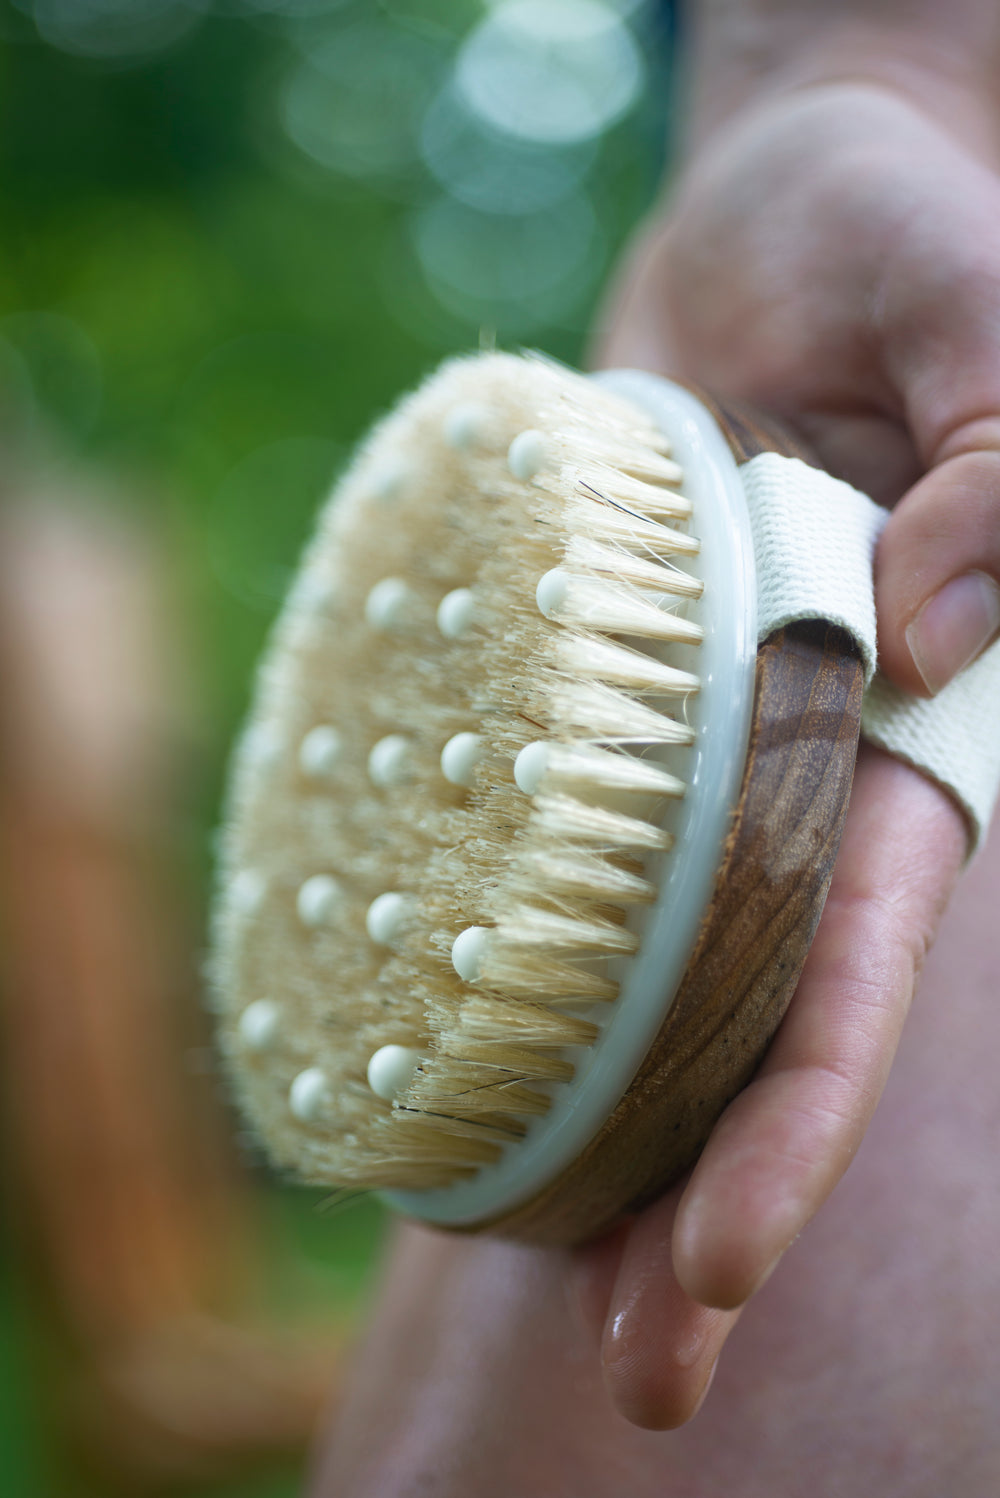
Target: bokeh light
<point>293,8</point>
<point>551,70</point>
<point>112,29</point>
<point>513,273</point>
<point>356,100</point>
<point>234,230</point>
<point>494,171</point>
<point>495,132</point>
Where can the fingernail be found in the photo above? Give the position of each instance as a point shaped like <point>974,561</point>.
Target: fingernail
<point>953,627</point>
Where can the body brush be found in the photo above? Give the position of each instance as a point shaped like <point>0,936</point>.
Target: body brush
<point>529,832</point>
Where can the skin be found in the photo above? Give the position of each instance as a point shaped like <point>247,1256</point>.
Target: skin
<point>835,261</point>
<point>831,254</point>
<point>870,1359</point>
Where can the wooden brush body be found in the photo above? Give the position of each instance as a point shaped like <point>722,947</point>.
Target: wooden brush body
<point>324,845</point>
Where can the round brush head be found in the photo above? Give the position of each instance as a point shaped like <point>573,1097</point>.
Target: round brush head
<point>492,784</point>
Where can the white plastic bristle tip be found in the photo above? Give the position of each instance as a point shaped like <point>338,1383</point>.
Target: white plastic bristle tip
<point>389,480</point>
<point>320,751</point>
<point>263,744</point>
<point>389,760</point>
<point>386,916</point>
<point>527,454</point>
<point>314,593</point>
<point>309,1094</point>
<point>465,425</point>
<point>318,900</point>
<point>459,758</point>
<point>391,1070</point>
<point>467,952</point>
<point>247,891</point>
<point>550,595</point>
<point>258,1025</point>
<point>530,767</point>
<point>389,604</point>
<point>455,613</point>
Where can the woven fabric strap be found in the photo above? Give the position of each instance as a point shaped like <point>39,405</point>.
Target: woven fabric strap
<point>814,541</point>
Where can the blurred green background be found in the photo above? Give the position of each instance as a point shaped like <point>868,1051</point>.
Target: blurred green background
<point>232,232</point>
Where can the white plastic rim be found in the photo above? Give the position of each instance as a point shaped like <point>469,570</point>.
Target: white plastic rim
<point>713,769</point>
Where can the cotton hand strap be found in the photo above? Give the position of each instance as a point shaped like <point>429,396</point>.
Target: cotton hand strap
<point>814,541</point>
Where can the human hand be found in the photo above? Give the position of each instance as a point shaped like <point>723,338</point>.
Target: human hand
<point>866,1362</point>
<point>832,257</point>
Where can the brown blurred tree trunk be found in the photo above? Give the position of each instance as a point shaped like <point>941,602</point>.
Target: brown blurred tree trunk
<point>124,1200</point>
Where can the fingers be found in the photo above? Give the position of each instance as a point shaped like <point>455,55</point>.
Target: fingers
<point>595,1269</point>
<point>688,1264</point>
<point>786,1141</point>
<point>871,324</point>
<point>938,572</point>
<point>660,1347</point>
<point>632,329</point>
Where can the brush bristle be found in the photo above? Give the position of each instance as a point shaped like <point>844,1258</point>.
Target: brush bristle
<point>374,811</point>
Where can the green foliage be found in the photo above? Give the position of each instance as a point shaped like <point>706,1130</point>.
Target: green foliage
<point>197,307</point>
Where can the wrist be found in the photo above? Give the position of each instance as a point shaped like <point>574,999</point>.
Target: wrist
<point>747,51</point>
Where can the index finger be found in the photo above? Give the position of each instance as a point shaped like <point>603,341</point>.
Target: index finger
<point>787,1139</point>
<point>784,1143</point>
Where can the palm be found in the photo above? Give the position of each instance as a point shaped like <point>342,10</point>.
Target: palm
<point>806,267</point>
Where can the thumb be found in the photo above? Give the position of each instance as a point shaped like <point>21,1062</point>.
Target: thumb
<point>938,565</point>
<point>632,327</point>
<point>938,572</point>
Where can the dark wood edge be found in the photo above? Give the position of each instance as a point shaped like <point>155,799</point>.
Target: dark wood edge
<point>757,932</point>
<point>752,946</point>
<point>748,433</point>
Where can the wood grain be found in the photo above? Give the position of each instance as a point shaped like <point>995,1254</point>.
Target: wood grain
<point>756,933</point>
